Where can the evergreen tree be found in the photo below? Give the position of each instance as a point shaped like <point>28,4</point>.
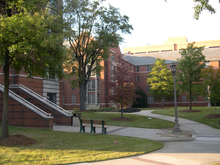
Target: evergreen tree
<point>141,101</point>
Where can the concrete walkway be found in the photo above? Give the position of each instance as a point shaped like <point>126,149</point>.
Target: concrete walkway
<point>203,147</point>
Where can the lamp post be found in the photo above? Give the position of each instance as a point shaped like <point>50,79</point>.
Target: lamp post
<point>173,70</point>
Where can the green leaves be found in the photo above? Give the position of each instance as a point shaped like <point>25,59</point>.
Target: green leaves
<point>202,5</point>
<point>161,80</point>
<point>32,38</point>
<point>189,69</point>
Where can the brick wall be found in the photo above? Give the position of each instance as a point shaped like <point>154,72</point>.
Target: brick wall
<point>19,115</point>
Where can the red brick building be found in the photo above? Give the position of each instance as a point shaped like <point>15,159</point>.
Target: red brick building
<point>59,91</point>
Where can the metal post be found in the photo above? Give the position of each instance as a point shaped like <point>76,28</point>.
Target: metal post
<point>176,127</point>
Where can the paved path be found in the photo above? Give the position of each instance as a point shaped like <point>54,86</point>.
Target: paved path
<point>202,148</point>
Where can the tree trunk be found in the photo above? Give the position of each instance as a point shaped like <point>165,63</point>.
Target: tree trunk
<point>121,111</point>
<point>215,108</point>
<point>209,103</point>
<point>190,100</point>
<point>82,95</point>
<point>5,131</point>
<point>161,102</point>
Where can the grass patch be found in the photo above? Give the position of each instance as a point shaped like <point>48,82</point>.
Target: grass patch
<point>138,121</point>
<point>55,147</point>
<point>197,116</point>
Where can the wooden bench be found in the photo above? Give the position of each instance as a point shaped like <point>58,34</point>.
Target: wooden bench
<point>90,123</point>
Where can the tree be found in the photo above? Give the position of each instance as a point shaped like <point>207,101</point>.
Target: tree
<point>30,41</point>
<point>141,101</point>
<point>212,81</point>
<point>189,68</point>
<point>200,6</point>
<point>93,30</point>
<point>120,85</point>
<point>161,81</point>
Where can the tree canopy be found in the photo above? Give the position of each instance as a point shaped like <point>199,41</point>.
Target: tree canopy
<point>30,40</point>
<point>161,81</point>
<point>120,86</point>
<point>141,101</point>
<point>212,82</point>
<point>189,69</point>
<point>93,29</point>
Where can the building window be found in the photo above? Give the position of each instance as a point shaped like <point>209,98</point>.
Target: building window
<point>91,99</point>
<point>194,100</point>
<point>148,89</point>
<point>150,100</point>
<point>149,67</point>
<point>93,72</point>
<point>73,99</point>
<point>183,99</point>
<point>98,98</point>
<point>91,85</point>
<point>52,77</point>
<point>163,100</point>
<point>138,79</point>
<point>52,97</point>
<point>112,69</point>
<point>130,67</point>
<point>137,68</point>
<point>74,88</point>
<point>113,56</point>
<point>97,84</point>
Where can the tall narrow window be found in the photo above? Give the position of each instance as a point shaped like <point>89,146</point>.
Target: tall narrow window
<point>113,56</point>
<point>138,79</point>
<point>183,99</point>
<point>52,97</point>
<point>149,67</point>
<point>91,99</point>
<point>137,68</point>
<point>91,85</point>
<point>73,99</point>
<point>150,100</point>
<point>148,89</point>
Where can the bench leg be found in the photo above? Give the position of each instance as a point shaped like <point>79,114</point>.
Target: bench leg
<point>82,128</point>
<point>104,130</point>
<point>92,130</point>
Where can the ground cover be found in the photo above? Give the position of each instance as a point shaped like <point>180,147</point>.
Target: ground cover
<point>54,147</point>
<point>135,120</point>
<point>203,116</point>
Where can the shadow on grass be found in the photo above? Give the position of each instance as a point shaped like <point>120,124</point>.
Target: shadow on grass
<point>55,147</point>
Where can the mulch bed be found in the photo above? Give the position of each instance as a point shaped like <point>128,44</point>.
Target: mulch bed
<point>17,140</point>
<point>188,110</point>
<point>130,110</point>
<point>122,119</point>
<point>211,116</point>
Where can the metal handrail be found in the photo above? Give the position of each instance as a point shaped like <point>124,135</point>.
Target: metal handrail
<point>39,96</point>
<point>27,102</point>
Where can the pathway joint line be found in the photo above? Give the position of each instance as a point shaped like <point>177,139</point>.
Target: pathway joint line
<point>151,161</point>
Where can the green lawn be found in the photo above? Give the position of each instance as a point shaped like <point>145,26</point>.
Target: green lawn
<point>55,147</point>
<point>197,116</point>
<point>138,121</point>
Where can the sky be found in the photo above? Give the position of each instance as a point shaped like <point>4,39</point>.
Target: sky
<point>154,21</point>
